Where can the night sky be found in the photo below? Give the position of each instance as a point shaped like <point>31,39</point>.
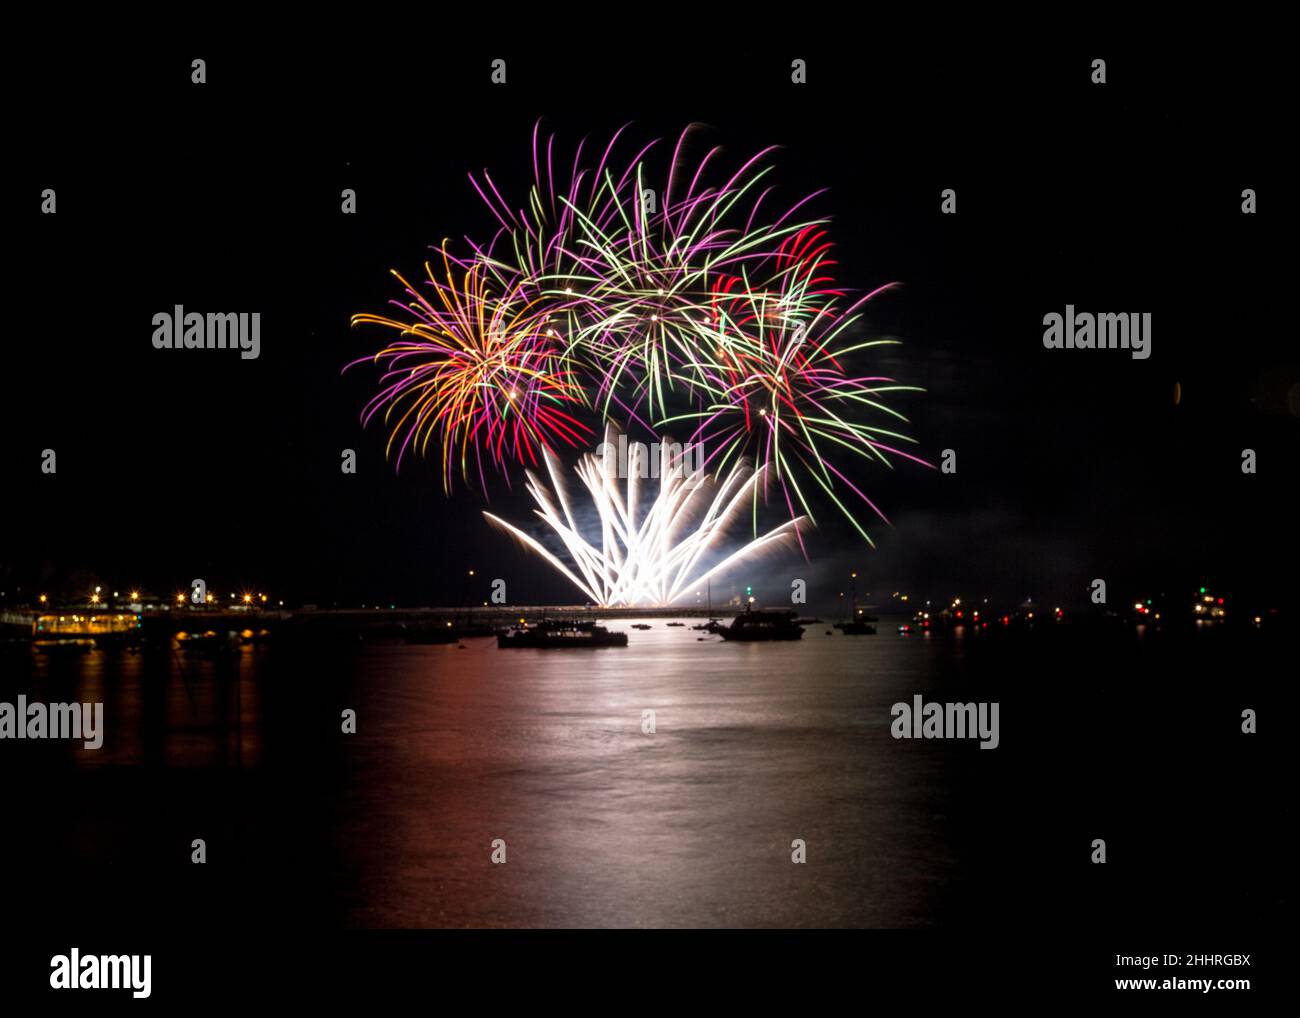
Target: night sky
<point>225,197</point>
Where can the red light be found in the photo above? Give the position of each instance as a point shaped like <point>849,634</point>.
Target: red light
<point>1220,600</point>
<point>959,615</point>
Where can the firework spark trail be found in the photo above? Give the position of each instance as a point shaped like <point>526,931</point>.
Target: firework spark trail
<point>482,374</point>
<point>777,391</point>
<point>652,558</point>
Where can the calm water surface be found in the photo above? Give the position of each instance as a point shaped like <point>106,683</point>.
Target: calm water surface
<point>756,745</point>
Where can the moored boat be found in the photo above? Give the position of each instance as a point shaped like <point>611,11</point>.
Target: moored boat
<point>764,624</point>
<point>560,634</point>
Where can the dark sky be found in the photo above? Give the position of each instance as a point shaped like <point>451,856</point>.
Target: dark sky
<point>225,197</point>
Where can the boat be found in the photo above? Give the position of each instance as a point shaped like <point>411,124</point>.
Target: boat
<point>640,625</point>
<point>675,624</point>
<point>764,624</point>
<point>713,625</point>
<point>560,633</point>
<point>209,643</point>
<point>859,623</point>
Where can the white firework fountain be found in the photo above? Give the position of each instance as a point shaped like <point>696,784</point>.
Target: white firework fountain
<point>655,557</point>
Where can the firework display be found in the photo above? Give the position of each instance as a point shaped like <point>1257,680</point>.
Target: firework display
<point>689,302</point>
<point>651,555</point>
<point>478,372</point>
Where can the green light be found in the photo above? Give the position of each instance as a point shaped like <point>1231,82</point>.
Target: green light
<point>1202,590</point>
<point>749,591</point>
<point>1148,600</point>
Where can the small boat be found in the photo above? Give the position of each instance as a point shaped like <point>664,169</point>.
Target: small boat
<point>859,623</point>
<point>640,625</point>
<point>558,634</point>
<point>764,624</point>
<point>676,624</point>
<point>208,644</point>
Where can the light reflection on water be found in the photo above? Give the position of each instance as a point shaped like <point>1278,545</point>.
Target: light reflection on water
<point>755,745</point>
<point>161,706</point>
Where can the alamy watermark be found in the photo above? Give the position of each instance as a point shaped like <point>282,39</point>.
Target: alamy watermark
<point>34,720</point>
<point>665,460</point>
<point>1083,330</point>
<point>182,330</point>
<point>921,720</point>
<point>73,971</point>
